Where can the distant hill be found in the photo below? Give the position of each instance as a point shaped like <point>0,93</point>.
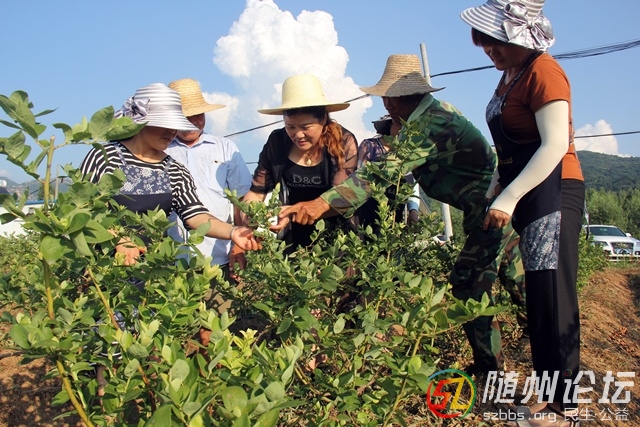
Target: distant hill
<point>32,187</point>
<point>609,172</point>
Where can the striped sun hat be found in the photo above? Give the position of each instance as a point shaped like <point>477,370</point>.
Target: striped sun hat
<point>156,105</point>
<point>518,22</point>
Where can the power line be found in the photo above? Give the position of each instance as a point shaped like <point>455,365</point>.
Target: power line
<point>608,134</point>
<point>583,53</point>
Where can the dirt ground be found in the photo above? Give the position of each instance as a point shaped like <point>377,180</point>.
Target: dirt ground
<point>610,335</point>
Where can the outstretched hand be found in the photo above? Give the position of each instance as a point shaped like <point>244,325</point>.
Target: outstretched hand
<point>305,213</point>
<point>244,238</point>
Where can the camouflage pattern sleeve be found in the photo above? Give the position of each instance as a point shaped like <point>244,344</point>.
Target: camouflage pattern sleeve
<point>347,197</point>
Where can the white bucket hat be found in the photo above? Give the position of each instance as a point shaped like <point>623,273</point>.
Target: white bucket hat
<point>193,102</point>
<point>519,22</point>
<point>156,105</point>
<point>303,90</point>
<point>402,76</point>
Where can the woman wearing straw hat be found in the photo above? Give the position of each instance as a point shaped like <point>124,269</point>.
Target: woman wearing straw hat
<point>453,164</point>
<point>153,179</point>
<point>309,155</point>
<point>539,185</point>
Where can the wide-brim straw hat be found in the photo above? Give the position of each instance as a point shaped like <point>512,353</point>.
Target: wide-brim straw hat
<point>304,90</point>
<point>402,76</point>
<point>156,105</point>
<point>519,22</point>
<point>193,102</point>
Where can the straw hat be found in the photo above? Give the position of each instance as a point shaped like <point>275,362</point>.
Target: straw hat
<point>156,105</point>
<point>193,102</point>
<point>519,22</point>
<point>402,76</point>
<point>303,90</point>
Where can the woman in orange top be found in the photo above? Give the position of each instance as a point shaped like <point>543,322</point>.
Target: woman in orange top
<point>538,185</point>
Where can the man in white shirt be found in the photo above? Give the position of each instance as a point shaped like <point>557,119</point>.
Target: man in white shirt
<point>215,164</point>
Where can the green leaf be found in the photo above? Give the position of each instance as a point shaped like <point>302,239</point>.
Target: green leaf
<point>122,128</point>
<point>138,351</point>
<point>268,419</point>
<point>284,326</point>
<point>78,221</point>
<point>224,320</point>
<point>414,365</point>
<point>191,408</point>
<point>234,397</point>
<point>63,127</point>
<point>179,371</point>
<point>131,368</point>
<point>33,166</point>
<point>23,115</point>
<point>66,315</point>
<point>94,232</point>
<point>45,112</point>
<point>162,417</point>
<point>275,391</point>
<point>60,399</point>
<point>80,244</point>
<point>167,354</point>
<point>51,249</point>
<point>20,336</point>
<point>16,148</point>
<point>100,123</point>
<point>339,325</point>
<point>9,124</point>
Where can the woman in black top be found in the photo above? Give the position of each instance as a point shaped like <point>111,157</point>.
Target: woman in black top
<point>311,154</point>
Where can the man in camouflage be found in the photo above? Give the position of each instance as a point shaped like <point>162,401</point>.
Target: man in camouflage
<point>453,164</point>
<point>511,276</point>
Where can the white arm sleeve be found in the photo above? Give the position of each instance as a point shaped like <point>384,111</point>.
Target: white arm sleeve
<point>413,204</point>
<point>553,124</point>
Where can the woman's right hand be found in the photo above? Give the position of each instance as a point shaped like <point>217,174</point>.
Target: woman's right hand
<point>244,238</point>
<point>495,219</point>
<point>130,251</point>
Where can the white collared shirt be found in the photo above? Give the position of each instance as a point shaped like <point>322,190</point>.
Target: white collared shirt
<point>216,164</point>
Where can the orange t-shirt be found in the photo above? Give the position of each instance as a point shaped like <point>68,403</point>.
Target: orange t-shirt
<point>542,82</point>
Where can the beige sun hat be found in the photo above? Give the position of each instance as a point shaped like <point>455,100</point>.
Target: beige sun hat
<point>518,22</point>
<point>303,90</point>
<point>402,76</point>
<point>193,102</point>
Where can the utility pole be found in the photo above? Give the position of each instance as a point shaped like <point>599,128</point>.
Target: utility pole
<point>446,212</point>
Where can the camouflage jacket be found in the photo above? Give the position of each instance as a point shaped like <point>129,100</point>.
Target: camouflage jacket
<point>452,162</point>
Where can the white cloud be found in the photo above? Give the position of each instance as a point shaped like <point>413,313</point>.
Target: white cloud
<point>264,47</point>
<point>600,144</point>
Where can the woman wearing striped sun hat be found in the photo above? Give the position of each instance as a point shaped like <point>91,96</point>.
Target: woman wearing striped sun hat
<point>152,178</point>
<point>538,185</point>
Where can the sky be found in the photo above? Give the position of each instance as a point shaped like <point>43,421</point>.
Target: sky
<point>78,57</point>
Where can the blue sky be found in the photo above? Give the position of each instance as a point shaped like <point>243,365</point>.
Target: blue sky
<point>79,56</point>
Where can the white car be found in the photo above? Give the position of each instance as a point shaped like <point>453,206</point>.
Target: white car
<point>614,241</point>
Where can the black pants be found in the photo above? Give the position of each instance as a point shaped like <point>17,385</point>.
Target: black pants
<point>552,303</point>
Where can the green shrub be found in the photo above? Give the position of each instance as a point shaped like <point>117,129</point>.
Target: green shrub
<point>313,344</point>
